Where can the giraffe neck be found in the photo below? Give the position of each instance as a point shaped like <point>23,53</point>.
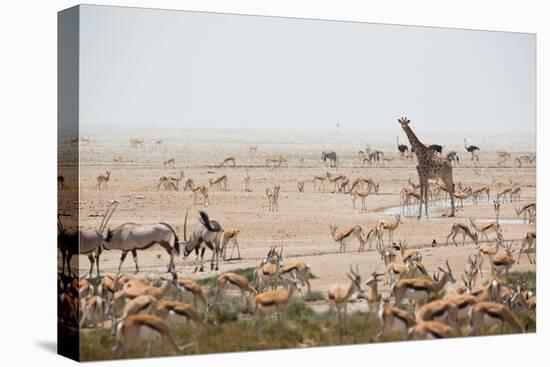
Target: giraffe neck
<point>419,148</point>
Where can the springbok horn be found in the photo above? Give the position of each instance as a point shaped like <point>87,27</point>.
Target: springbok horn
<point>351,270</point>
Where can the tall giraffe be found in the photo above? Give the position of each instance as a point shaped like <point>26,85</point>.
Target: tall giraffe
<point>429,167</point>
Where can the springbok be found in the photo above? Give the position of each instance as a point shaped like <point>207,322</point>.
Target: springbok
<point>339,295</point>
<point>486,227</point>
<point>230,234</point>
<point>526,245</point>
<point>61,182</point>
<point>272,301</point>
<point>176,180</point>
<point>298,270</point>
<point>247,182</point>
<point>459,228</point>
<point>503,263</point>
<point>525,209</point>
<point>372,296</point>
<point>442,310</point>
<point>148,327</point>
<point>491,313</point>
<point>267,273</point>
<point>421,289</point>
<point>356,193</point>
<point>390,226</point>
<point>221,181</point>
<point>236,280</point>
<point>131,237</point>
<point>189,285</point>
<point>300,185</point>
<point>206,233</point>
<point>169,162</point>
<point>227,161</point>
<point>103,179</point>
<point>476,193</point>
<point>200,189</point>
<point>175,311</point>
<point>345,234</point>
<point>273,197</point>
<point>393,319</point>
<point>319,182</point>
<point>430,330</point>
<point>487,252</point>
<point>134,143</point>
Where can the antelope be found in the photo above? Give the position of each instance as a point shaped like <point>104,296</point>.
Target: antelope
<point>459,228</point>
<point>410,199</point>
<point>300,185</point>
<point>206,233</point>
<point>189,184</point>
<point>268,270</point>
<point>496,208</point>
<point>339,295</point>
<point>343,184</point>
<point>176,180</point>
<point>515,194</point>
<point>131,237</point>
<point>273,198</point>
<point>486,227</point>
<point>334,179</point>
<point>503,262</point>
<point>236,280</point>
<point>461,196</point>
<point>103,179</point>
<point>476,193</point>
<point>195,289</point>
<point>371,185</point>
<point>370,236</point>
<point>173,311</point>
<point>298,271</point>
<point>135,288</point>
<point>247,183</point>
<point>421,289</point>
<point>525,209</point>
<point>321,180</point>
<point>200,189</point>
<point>442,310</point>
<point>227,161</point>
<point>272,301</point>
<point>60,182</point>
<point>502,157</point>
<point>390,226</point>
<point>413,255</point>
<point>393,319</point>
<point>134,143</point>
<point>346,233</point>
<point>170,163</point>
<point>491,313</point>
<point>148,327</point>
<point>489,252</point>
<point>471,270</point>
<point>356,193</point>
<point>93,309</point>
<point>528,240</point>
<point>220,181</point>
<point>140,304</point>
<point>229,234</point>
<point>430,330</point>
<point>463,302</point>
<point>158,142</point>
<point>504,192</point>
<point>372,296</point>
<point>83,242</point>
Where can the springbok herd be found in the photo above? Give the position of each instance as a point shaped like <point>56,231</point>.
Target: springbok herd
<point>310,221</point>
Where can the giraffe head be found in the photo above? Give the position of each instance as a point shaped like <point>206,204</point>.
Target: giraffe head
<point>404,121</point>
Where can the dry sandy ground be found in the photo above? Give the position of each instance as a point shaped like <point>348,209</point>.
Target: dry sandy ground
<point>301,224</point>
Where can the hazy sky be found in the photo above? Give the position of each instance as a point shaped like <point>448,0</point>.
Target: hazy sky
<point>148,68</point>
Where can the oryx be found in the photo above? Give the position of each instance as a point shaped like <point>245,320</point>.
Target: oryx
<point>130,237</point>
<point>206,233</point>
<point>83,242</point>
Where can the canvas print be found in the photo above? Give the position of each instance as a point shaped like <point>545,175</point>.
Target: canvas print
<point>233,183</point>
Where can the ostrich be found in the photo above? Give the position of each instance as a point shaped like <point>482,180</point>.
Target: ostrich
<point>472,149</point>
<point>402,148</point>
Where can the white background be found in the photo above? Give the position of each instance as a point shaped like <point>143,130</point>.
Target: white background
<point>28,201</point>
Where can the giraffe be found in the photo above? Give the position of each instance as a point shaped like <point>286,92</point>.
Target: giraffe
<point>429,167</point>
